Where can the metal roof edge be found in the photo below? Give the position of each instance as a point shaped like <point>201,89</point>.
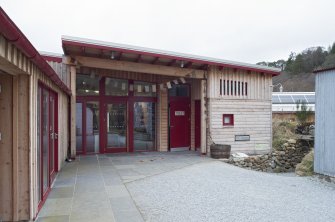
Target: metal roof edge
<point>323,69</point>
<point>274,71</point>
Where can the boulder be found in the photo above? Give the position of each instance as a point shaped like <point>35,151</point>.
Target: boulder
<point>306,167</point>
<point>292,141</point>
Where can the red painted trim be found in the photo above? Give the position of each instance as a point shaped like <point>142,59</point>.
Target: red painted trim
<point>104,100</point>
<point>231,116</point>
<point>52,58</point>
<point>52,174</point>
<point>13,34</point>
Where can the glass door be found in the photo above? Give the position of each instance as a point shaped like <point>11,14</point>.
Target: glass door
<point>47,144</point>
<point>116,127</point>
<point>87,127</point>
<point>144,126</point>
<point>92,127</point>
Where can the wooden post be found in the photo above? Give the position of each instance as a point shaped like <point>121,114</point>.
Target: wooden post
<point>73,111</point>
<point>203,117</point>
<point>15,146</point>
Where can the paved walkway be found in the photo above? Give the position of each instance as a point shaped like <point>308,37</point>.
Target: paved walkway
<point>181,187</point>
<point>93,188</point>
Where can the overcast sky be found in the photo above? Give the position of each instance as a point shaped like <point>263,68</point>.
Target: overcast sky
<point>241,30</point>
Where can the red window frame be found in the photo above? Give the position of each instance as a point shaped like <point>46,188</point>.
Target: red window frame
<point>231,117</point>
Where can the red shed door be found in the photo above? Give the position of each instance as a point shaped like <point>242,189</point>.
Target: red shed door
<point>180,117</point>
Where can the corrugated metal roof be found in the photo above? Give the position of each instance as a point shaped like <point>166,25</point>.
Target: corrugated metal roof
<point>164,53</point>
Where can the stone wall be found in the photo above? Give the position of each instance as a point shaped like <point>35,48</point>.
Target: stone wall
<point>283,159</point>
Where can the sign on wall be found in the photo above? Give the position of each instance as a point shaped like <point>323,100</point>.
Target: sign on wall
<point>242,137</point>
<point>179,113</point>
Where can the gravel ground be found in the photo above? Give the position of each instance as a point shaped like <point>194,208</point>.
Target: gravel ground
<point>216,191</point>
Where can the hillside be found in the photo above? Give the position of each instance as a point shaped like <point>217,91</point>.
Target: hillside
<point>303,82</point>
<point>297,71</point>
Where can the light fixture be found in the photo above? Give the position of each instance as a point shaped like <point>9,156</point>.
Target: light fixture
<point>182,80</point>
<point>182,64</point>
<point>168,84</point>
<point>113,55</point>
<point>175,81</point>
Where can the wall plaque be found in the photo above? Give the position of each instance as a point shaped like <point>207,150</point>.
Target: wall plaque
<point>242,137</point>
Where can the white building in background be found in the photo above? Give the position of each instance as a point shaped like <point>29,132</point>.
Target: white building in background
<point>286,102</point>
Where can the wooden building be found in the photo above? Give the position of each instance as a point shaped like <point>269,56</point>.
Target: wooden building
<point>324,153</point>
<point>34,104</point>
<point>111,98</point>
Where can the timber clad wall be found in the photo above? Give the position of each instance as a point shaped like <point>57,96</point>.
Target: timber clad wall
<point>62,70</point>
<point>252,110</point>
<point>324,154</point>
<point>19,78</point>
<point>63,135</point>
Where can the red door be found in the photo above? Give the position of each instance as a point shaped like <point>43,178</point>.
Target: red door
<point>180,137</point>
<point>197,124</point>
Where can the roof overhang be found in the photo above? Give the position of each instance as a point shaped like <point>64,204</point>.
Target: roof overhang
<point>74,46</point>
<point>14,35</point>
<point>323,69</point>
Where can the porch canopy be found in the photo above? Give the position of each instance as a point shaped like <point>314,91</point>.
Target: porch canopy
<point>108,55</point>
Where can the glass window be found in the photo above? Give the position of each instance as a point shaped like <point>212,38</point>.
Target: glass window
<point>310,98</point>
<point>144,89</point>
<point>179,90</point>
<point>87,85</point>
<point>228,119</point>
<point>92,127</point>
<point>275,99</point>
<point>116,87</point>
<point>144,126</point>
<point>299,99</point>
<point>286,99</point>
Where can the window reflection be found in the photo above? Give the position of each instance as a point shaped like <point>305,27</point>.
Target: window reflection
<point>144,89</point>
<point>144,126</point>
<point>116,87</point>
<point>92,127</point>
<point>116,125</point>
<point>87,85</point>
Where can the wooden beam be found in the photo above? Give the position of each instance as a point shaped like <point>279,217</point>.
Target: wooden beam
<point>188,65</point>
<point>139,67</point>
<point>155,60</point>
<point>172,62</point>
<point>203,117</point>
<point>119,57</point>
<point>15,146</point>
<point>138,59</point>
<point>73,111</point>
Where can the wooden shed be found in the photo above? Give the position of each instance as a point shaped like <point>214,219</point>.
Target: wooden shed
<point>324,154</point>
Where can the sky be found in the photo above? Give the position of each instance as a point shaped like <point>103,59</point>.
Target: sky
<point>240,30</point>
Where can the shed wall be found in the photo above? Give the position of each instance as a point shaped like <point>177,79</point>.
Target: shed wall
<point>252,110</point>
<point>324,160</point>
